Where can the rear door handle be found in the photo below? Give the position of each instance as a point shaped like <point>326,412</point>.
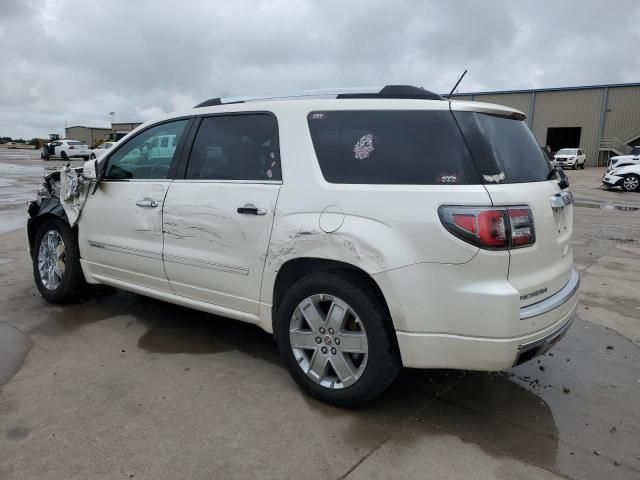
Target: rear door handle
<point>147,203</point>
<point>250,209</point>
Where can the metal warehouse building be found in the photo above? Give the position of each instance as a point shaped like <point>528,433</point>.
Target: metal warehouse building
<point>603,120</point>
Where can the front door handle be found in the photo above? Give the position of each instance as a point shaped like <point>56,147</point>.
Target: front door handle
<point>250,209</point>
<point>147,203</point>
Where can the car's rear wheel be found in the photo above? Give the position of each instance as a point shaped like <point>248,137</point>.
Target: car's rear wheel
<point>56,262</point>
<point>93,156</point>
<point>631,183</point>
<point>336,339</point>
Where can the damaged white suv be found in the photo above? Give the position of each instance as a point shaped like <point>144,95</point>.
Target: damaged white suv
<point>367,229</point>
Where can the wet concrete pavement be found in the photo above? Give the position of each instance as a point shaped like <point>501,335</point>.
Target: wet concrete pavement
<point>122,386</point>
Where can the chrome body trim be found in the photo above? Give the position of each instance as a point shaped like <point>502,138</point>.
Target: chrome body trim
<point>554,301</point>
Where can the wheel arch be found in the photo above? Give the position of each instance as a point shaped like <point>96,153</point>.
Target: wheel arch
<point>297,268</point>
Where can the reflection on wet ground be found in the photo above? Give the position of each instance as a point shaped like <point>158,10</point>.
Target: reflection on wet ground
<point>14,346</point>
<point>547,412</point>
<point>607,206</point>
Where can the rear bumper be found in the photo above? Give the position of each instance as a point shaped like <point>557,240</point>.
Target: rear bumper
<point>490,353</point>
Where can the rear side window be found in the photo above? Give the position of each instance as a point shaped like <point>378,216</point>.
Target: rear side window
<point>504,149</point>
<point>236,147</point>
<point>75,143</point>
<point>408,147</point>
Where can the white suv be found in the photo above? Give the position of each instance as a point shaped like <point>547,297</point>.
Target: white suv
<point>570,157</point>
<point>367,230</point>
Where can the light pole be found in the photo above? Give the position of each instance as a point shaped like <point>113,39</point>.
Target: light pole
<point>113,119</point>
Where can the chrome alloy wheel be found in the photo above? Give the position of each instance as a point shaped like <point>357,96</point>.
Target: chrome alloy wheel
<point>51,260</point>
<point>329,341</point>
<point>630,183</point>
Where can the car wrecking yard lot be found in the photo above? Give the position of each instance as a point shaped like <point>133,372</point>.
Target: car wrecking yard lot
<point>123,386</point>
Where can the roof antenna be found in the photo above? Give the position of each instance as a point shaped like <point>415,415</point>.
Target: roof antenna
<point>456,85</point>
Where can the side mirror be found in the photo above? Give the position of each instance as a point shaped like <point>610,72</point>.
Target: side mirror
<point>89,170</point>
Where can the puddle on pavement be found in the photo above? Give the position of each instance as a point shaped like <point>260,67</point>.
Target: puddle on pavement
<point>14,347</point>
<point>607,206</point>
<point>170,328</point>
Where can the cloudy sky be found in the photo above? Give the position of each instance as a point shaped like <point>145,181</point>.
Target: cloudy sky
<point>74,61</point>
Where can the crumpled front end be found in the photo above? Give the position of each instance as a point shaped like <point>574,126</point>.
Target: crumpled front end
<point>63,193</point>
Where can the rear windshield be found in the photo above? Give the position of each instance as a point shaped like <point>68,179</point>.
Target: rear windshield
<point>406,147</point>
<point>504,149</point>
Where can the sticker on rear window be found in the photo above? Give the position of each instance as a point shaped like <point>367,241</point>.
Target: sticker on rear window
<point>364,147</point>
<point>497,178</point>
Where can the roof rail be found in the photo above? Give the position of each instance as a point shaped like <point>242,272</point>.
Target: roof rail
<point>389,91</point>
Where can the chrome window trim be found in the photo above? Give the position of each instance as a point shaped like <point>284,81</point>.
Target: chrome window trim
<point>558,299</point>
<point>204,180</point>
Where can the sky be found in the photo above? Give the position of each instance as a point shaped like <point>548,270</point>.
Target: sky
<point>74,61</point>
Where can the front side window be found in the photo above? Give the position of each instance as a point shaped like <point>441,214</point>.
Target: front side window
<point>236,147</point>
<point>407,147</point>
<point>142,157</point>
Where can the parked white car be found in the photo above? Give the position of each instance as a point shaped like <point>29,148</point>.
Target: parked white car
<point>65,149</point>
<point>368,230</point>
<point>627,177</point>
<point>570,157</point>
<point>623,160</point>
<point>98,152</point>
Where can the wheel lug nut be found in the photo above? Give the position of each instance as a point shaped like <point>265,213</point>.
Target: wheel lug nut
<point>334,351</point>
<point>324,349</point>
<point>321,329</point>
<point>337,341</point>
<point>331,331</point>
<point>318,340</point>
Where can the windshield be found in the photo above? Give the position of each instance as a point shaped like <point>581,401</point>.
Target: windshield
<point>567,151</point>
<point>504,149</point>
<point>635,150</point>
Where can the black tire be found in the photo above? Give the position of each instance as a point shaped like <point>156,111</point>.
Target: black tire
<point>584,164</point>
<point>93,156</point>
<point>85,158</point>
<point>635,183</point>
<point>383,362</point>
<point>72,285</point>
<point>63,155</point>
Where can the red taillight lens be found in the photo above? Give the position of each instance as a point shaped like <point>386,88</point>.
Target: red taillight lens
<point>466,222</point>
<point>491,228</point>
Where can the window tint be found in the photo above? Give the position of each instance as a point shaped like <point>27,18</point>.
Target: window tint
<point>235,147</point>
<point>391,147</point>
<point>504,149</point>
<point>142,158</point>
<point>75,143</point>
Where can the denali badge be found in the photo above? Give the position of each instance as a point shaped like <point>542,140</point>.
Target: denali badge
<point>535,293</point>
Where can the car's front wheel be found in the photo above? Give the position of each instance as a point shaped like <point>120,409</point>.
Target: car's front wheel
<point>56,262</point>
<point>336,339</point>
<point>631,183</point>
<point>92,156</point>
<point>63,155</point>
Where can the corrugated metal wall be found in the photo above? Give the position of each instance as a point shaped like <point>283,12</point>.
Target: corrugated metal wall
<point>623,111</point>
<point>571,108</point>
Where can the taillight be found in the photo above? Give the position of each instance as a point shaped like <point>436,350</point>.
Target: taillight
<point>490,228</point>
